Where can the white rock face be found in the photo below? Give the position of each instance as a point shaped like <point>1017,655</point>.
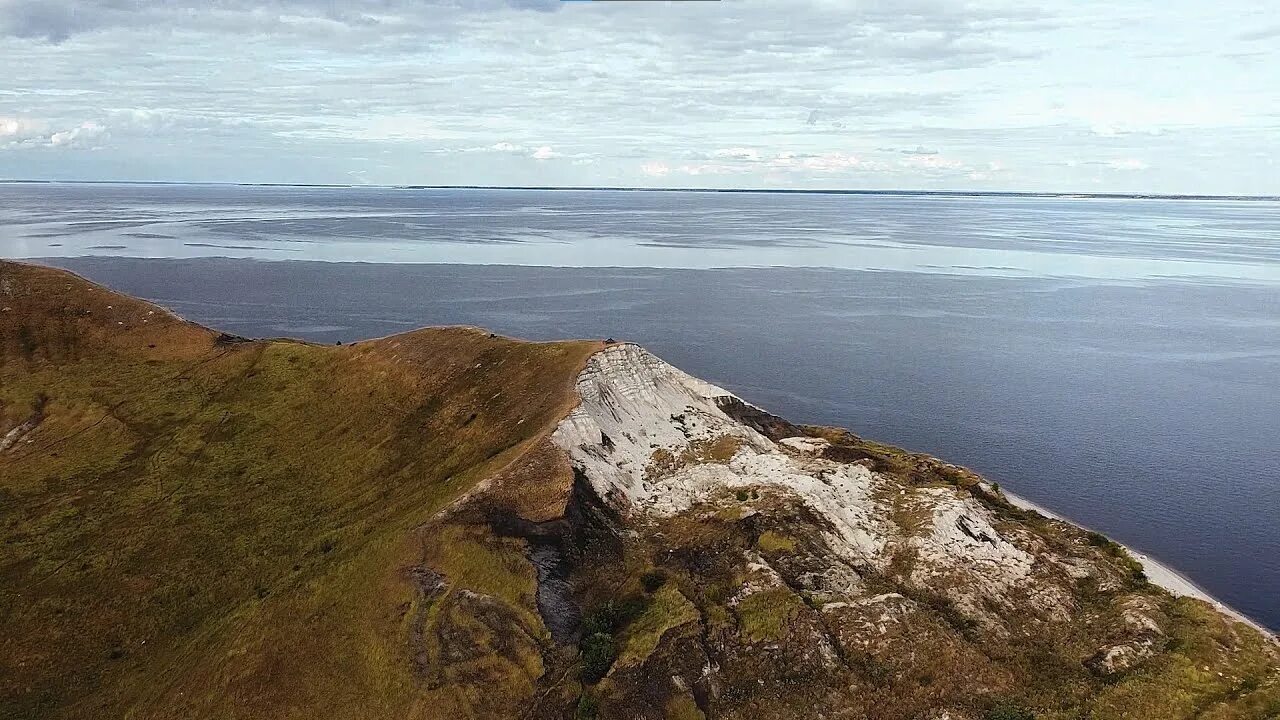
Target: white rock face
<point>962,538</point>
<point>633,404</point>
<point>641,436</point>
<point>643,405</point>
<point>806,444</point>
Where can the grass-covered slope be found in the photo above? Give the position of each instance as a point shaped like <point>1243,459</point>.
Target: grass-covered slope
<point>194,525</point>
<point>439,525</point>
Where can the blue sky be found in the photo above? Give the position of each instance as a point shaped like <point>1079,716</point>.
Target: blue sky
<point>1172,96</point>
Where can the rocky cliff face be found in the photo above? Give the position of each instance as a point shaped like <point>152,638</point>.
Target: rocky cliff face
<point>761,569</point>
<point>656,442</point>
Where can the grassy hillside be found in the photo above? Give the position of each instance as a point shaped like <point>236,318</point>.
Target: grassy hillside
<point>195,525</point>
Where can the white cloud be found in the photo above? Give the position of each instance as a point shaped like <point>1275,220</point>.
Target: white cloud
<point>930,162</point>
<point>23,132</point>
<point>540,152</point>
<point>655,169</point>
<point>819,93</point>
<point>822,163</point>
<point>83,133</point>
<point>1128,164</point>
<point>749,154</point>
<point>875,169</point>
<point>400,127</point>
<point>13,128</point>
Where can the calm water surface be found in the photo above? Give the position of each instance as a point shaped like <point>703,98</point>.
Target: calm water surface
<point>1115,360</point>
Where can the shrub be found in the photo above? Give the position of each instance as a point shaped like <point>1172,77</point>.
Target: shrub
<point>598,652</point>
<point>588,707</point>
<point>609,617</point>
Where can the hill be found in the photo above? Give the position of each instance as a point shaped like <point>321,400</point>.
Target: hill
<point>446,523</point>
<point>199,525</point>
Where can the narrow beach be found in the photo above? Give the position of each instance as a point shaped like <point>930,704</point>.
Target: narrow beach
<point>1157,572</point>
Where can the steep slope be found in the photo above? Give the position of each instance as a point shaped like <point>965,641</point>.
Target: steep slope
<point>770,570</point>
<point>200,526</point>
<point>447,524</point>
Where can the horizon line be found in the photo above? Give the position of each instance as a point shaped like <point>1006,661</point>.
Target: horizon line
<point>632,188</point>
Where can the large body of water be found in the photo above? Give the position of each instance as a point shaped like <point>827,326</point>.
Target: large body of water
<point>1115,360</point>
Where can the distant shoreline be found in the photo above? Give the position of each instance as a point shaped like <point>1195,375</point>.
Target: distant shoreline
<point>730,191</point>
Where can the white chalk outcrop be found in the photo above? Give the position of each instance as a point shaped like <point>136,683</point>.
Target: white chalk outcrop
<point>652,439</point>
<point>633,404</point>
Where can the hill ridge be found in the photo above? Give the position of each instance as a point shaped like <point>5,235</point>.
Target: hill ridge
<point>450,523</point>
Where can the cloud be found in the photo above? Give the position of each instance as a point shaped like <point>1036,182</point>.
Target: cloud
<point>26,133</point>
<point>397,127</point>
<point>747,154</point>
<point>849,167</point>
<point>917,150</point>
<point>929,162</point>
<point>52,20</point>
<point>744,93</point>
<point>82,134</point>
<point>537,152</point>
<point>821,163</point>
<point>993,168</point>
<point>57,20</point>
<point>1262,33</point>
<point>1128,164</point>
<point>15,128</point>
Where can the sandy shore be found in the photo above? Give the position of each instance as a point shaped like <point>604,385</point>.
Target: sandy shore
<point>1157,572</point>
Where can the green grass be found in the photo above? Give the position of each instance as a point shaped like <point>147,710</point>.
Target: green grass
<point>198,528</point>
<point>772,542</point>
<point>1214,669</point>
<point>667,610</point>
<point>682,707</point>
<point>764,614</point>
<point>202,529</point>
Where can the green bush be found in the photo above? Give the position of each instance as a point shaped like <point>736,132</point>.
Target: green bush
<point>588,707</point>
<point>1097,539</point>
<point>598,649</point>
<point>598,652</point>
<point>611,616</point>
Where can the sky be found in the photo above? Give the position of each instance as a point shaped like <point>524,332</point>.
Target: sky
<point>1147,96</point>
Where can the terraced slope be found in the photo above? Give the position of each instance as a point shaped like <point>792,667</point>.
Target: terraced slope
<point>446,524</point>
